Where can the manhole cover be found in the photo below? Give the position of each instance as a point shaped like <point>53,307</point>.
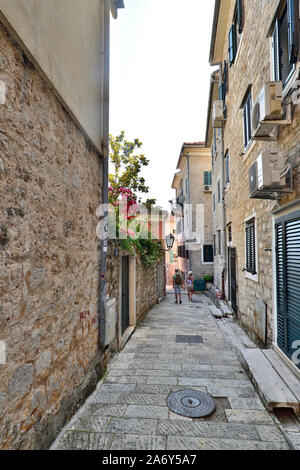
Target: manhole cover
<point>191,403</point>
<point>188,339</point>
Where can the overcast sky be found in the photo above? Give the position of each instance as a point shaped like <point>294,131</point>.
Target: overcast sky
<point>160,81</point>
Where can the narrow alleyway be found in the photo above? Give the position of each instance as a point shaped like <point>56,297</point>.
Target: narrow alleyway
<point>128,410</point>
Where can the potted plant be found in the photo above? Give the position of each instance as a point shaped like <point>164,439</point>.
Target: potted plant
<point>208,279</point>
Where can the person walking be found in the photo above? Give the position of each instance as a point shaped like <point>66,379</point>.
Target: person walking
<point>190,285</point>
<point>177,284</point>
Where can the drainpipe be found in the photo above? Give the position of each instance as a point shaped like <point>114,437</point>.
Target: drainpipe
<point>105,158</point>
<point>222,183</point>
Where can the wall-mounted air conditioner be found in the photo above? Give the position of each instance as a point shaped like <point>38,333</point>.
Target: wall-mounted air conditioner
<point>218,114</point>
<point>267,113</point>
<point>207,188</point>
<point>265,177</point>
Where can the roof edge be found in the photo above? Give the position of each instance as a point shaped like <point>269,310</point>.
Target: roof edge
<point>214,30</point>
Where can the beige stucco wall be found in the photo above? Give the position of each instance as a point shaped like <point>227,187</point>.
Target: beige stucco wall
<point>65,39</point>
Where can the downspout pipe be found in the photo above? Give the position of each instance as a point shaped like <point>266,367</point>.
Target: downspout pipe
<point>105,160</point>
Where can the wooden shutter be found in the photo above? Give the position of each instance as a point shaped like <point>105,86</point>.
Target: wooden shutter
<point>207,178</point>
<point>247,112</point>
<point>293,30</point>
<point>281,304</point>
<point>276,52</point>
<point>250,248</point>
<point>232,44</point>
<point>240,15</point>
<point>225,79</point>
<point>288,282</point>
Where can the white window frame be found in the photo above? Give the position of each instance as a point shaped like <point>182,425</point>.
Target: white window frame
<point>207,262</point>
<point>252,277</point>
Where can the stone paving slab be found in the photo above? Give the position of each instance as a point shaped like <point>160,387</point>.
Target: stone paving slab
<point>85,441</point>
<point>128,410</point>
<point>136,442</point>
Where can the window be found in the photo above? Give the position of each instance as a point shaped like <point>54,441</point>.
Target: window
<point>214,202</point>
<point>224,87</point>
<point>208,255</point>
<point>219,242</point>
<point>186,186</point>
<point>219,191</point>
<point>285,42</point>
<point>227,167</point>
<point>250,247</point>
<point>236,31</point>
<point>247,111</point>
<point>207,178</point>
<point>215,246</point>
<point>229,233</point>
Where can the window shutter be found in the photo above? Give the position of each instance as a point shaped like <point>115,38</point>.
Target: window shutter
<point>249,106</point>
<point>281,282</point>
<point>225,78</point>
<point>227,168</point>
<point>250,248</point>
<point>247,117</point>
<point>240,15</point>
<point>207,178</point>
<point>276,52</point>
<point>293,31</point>
<point>232,44</point>
<point>245,126</point>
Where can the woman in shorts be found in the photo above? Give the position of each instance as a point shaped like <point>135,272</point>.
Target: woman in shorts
<point>190,285</point>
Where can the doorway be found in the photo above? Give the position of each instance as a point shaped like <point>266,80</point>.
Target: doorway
<point>125,294</point>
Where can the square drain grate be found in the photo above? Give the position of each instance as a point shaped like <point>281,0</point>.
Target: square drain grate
<point>189,339</point>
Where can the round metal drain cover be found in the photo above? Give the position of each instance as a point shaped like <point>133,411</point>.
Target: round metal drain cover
<point>191,403</point>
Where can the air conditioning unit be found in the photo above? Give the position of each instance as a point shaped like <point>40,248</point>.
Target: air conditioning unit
<point>207,188</point>
<point>265,176</point>
<point>218,114</point>
<point>267,108</point>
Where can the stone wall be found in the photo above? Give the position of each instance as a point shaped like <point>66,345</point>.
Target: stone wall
<point>253,66</point>
<point>50,187</point>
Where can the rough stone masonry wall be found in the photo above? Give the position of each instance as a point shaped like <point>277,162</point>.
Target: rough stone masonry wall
<point>50,187</point>
<point>252,66</point>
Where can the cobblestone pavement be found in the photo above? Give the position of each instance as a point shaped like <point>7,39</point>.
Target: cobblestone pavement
<point>128,409</point>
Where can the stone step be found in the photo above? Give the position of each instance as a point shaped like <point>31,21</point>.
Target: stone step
<point>216,312</point>
<point>226,309</point>
<point>285,373</point>
<point>272,389</point>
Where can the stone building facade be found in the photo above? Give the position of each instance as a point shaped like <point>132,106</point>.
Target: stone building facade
<point>260,268</point>
<point>193,211</point>
<point>51,183</point>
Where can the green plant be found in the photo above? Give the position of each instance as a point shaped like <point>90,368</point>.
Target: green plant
<point>207,278</point>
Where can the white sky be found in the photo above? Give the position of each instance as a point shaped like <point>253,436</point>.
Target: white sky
<point>160,81</point>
